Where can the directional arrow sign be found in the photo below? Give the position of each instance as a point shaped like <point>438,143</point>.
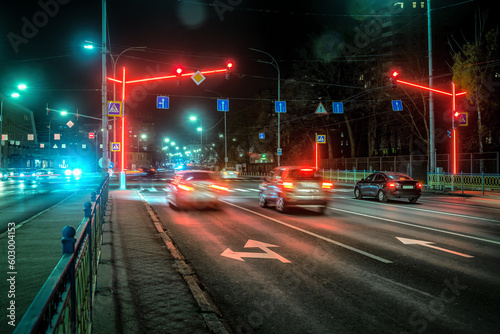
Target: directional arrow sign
<point>428,244</point>
<point>269,254</point>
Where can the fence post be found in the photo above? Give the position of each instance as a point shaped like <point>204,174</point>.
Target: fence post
<point>87,209</point>
<point>462,181</point>
<point>68,240</point>
<point>482,180</point>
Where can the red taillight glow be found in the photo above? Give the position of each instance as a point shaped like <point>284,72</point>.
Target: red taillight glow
<point>419,185</point>
<point>392,185</point>
<point>327,185</point>
<point>288,185</point>
<point>216,186</point>
<point>306,169</point>
<point>184,187</point>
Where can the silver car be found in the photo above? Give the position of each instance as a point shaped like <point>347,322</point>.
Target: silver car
<point>295,186</point>
<point>197,189</point>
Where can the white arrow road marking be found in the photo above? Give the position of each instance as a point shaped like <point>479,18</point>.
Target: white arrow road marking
<point>269,254</point>
<point>428,244</point>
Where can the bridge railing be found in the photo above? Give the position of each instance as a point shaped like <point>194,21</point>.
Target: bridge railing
<point>64,303</point>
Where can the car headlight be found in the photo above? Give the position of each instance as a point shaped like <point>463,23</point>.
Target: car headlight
<point>67,172</point>
<point>77,172</point>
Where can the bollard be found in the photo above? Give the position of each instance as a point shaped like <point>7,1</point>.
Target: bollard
<point>87,209</point>
<point>93,196</point>
<point>68,240</point>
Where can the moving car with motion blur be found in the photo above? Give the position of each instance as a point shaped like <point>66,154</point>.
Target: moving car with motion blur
<point>388,185</point>
<point>229,173</point>
<point>295,186</point>
<point>198,189</point>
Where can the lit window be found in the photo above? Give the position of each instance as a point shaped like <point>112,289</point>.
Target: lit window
<point>414,4</point>
<point>422,4</point>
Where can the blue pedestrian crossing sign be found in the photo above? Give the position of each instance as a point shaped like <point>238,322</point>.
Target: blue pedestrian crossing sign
<point>115,146</point>
<point>397,105</point>
<point>262,135</point>
<point>338,107</point>
<point>321,139</point>
<point>115,108</point>
<point>162,102</point>
<point>222,105</point>
<point>280,106</point>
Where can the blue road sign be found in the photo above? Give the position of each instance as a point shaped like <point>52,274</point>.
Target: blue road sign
<point>114,108</point>
<point>279,151</point>
<point>162,102</point>
<point>321,139</point>
<point>280,106</point>
<point>222,105</point>
<point>262,135</point>
<point>397,105</point>
<point>338,107</point>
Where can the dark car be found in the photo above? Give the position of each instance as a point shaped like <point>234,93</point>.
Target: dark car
<point>294,186</point>
<point>387,185</point>
<point>198,189</point>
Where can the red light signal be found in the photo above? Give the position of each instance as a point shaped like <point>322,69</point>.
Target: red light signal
<point>178,72</point>
<point>229,67</point>
<point>394,77</point>
<point>91,135</point>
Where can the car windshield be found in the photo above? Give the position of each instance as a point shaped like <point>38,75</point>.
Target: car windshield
<point>199,176</point>
<point>401,177</point>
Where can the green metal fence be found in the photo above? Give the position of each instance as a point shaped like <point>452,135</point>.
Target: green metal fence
<point>452,182</point>
<point>64,303</point>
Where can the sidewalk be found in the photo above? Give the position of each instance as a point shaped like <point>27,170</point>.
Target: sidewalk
<point>38,250</point>
<point>139,285</point>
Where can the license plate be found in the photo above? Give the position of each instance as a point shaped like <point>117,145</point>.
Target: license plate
<point>407,187</point>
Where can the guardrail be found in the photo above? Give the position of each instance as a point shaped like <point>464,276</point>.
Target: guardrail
<point>452,182</point>
<point>64,303</point>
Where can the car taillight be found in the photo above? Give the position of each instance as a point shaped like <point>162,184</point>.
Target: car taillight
<point>218,187</point>
<point>392,185</point>
<point>288,185</point>
<point>419,185</point>
<point>327,185</point>
<point>184,187</point>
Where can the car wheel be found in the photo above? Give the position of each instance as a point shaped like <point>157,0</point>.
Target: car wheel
<point>280,205</point>
<point>381,196</point>
<point>413,200</point>
<point>262,201</point>
<point>357,193</point>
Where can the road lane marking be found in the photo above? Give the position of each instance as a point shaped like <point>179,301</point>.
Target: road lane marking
<point>269,254</point>
<point>417,226</point>
<point>428,244</point>
<point>312,234</point>
<point>438,212</point>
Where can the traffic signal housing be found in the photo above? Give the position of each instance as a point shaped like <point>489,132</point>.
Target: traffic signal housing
<point>394,79</point>
<point>178,73</point>
<point>229,68</point>
<point>456,119</point>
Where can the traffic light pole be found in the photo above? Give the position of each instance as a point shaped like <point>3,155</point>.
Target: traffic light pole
<point>453,95</point>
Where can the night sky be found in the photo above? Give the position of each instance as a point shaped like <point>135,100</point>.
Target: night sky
<point>42,45</point>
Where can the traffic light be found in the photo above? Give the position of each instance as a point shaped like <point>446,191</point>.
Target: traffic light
<point>178,73</point>
<point>229,68</point>
<point>456,119</point>
<point>394,78</point>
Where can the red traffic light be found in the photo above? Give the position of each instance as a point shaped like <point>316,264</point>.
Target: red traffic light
<point>456,114</point>
<point>229,65</point>
<point>395,74</point>
<point>178,70</point>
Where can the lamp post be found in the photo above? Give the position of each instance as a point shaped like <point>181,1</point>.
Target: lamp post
<point>14,95</point>
<point>193,118</point>
<point>276,66</point>
<point>225,131</point>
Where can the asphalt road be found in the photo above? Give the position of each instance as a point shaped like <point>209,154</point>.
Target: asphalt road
<point>21,200</point>
<point>365,266</point>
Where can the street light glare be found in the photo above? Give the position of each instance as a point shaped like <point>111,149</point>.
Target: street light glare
<point>192,118</point>
<point>64,113</point>
<point>21,86</point>
<point>15,94</point>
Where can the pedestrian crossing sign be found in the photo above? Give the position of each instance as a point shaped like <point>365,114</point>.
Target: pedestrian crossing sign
<point>115,146</point>
<point>321,139</point>
<point>320,109</point>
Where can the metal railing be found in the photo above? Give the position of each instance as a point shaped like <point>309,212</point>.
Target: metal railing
<point>64,303</point>
<point>452,182</point>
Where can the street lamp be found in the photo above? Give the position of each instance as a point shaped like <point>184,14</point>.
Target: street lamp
<point>194,118</point>
<point>225,128</point>
<point>276,66</point>
<point>14,95</point>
